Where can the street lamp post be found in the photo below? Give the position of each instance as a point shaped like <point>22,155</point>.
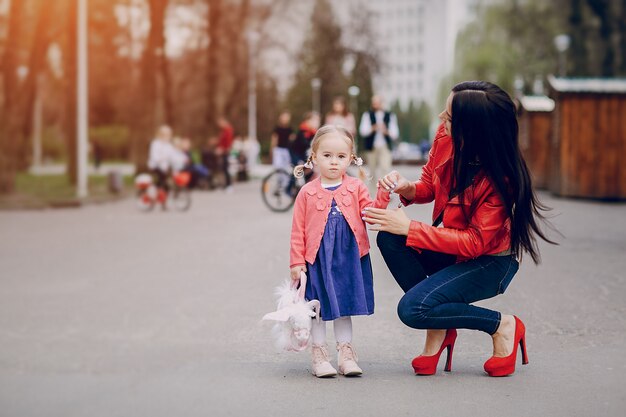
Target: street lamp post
<point>37,122</point>
<point>561,42</point>
<point>253,40</point>
<point>82,102</point>
<point>353,92</point>
<point>316,85</point>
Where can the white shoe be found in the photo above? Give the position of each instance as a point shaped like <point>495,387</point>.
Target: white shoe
<point>229,189</point>
<point>346,360</point>
<point>320,366</point>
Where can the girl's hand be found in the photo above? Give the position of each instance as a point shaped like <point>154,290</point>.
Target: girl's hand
<point>385,220</point>
<point>394,182</point>
<point>295,273</point>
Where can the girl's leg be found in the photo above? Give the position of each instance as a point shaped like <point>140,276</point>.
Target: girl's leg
<point>443,300</point>
<point>346,356</point>
<point>318,332</point>
<point>343,329</point>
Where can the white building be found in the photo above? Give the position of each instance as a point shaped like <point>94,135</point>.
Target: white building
<point>416,44</point>
<point>415,39</point>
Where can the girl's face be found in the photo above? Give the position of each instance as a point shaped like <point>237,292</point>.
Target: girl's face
<point>446,115</point>
<point>333,156</point>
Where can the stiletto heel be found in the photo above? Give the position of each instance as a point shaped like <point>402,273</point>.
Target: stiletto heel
<point>427,365</point>
<point>522,344</point>
<point>448,366</point>
<point>503,366</point>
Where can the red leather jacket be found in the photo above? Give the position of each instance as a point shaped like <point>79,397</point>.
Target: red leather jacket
<point>489,229</point>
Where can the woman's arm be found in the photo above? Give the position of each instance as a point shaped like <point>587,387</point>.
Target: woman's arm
<point>488,221</point>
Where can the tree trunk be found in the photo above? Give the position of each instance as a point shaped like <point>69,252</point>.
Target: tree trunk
<point>237,61</point>
<point>215,11</point>
<point>578,49</point>
<point>9,124</point>
<point>601,9</point>
<point>70,74</point>
<point>147,105</point>
<point>622,39</point>
<point>28,92</point>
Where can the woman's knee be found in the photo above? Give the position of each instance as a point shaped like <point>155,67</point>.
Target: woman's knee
<point>412,313</point>
<point>386,240</point>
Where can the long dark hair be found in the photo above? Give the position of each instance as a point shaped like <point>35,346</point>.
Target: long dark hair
<point>485,134</point>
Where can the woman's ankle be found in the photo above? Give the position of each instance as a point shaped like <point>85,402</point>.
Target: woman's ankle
<point>434,339</point>
<point>503,337</point>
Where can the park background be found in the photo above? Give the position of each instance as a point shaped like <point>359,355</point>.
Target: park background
<point>184,62</point>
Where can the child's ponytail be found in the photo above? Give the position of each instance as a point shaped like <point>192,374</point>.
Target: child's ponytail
<point>364,174</point>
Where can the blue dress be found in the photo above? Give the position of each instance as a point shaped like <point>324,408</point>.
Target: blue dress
<point>339,278</point>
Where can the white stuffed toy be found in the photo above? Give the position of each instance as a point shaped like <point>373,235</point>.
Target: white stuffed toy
<point>293,316</point>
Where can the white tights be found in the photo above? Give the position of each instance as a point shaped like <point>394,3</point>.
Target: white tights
<point>342,327</point>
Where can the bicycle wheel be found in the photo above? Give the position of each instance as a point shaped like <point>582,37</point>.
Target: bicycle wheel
<point>276,190</point>
<point>181,198</point>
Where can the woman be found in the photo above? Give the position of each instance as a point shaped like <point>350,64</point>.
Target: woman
<point>485,202</point>
<point>340,116</point>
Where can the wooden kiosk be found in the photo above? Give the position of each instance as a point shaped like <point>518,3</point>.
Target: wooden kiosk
<point>535,123</point>
<point>588,140</point>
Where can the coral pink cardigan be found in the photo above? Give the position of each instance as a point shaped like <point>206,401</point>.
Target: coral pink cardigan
<point>311,213</point>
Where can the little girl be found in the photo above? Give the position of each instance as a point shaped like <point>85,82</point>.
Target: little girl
<point>329,242</point>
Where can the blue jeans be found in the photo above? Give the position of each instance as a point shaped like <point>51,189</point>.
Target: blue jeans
<point>438,291</point>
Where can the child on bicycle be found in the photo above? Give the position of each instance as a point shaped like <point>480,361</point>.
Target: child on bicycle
<point>329,243</point>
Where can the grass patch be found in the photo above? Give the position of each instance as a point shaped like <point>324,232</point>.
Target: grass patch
<point>41,191</point>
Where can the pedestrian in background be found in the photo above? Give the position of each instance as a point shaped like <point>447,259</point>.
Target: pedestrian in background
<point>211,160</point>
<point>341,116</point>
<point>302,142</point>
<point>282,136</point>
<point>225,143</point>
<point>329,243</point>
<point>160,156</point>
<point>485,201</point>
<point>379,128</point>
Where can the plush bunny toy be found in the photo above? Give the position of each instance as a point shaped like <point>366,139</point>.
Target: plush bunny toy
<point>293,316</point>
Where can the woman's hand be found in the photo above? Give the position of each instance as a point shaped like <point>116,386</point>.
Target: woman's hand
<point>386,220</point>
<point>394,182</point>
<point>295,274</point>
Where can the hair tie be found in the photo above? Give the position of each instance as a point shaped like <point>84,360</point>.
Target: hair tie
<point>308,164</point>
<point>358,161</point>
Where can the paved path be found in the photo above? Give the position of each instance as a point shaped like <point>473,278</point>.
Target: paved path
<point>106,311</point>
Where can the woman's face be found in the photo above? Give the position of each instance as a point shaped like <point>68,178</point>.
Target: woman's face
<point>446,115</point>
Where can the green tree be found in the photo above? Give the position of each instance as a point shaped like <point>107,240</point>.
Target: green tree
<point>322,57</point>
<point>515,38</point>
<point>509,39</point>
<point>414,122</point>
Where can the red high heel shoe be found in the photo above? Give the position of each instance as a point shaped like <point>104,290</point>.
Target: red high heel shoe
<point>427,365</point>
<point>496,366</point>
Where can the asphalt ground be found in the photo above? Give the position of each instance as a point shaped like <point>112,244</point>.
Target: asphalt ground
<point>108,311</point>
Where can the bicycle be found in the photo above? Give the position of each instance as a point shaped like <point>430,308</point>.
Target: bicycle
<point>279,189</point>
<point>148,194</point>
